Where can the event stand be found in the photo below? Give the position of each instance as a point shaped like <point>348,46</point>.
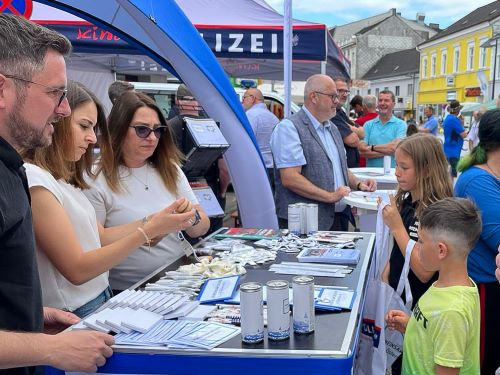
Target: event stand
<point>330,349</point>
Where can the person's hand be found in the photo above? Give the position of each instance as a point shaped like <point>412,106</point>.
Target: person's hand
<point>79,351</point>
<point>368,185</point>
<point>397,319</point>
<point>340,193</point>
<point>392,146</point>
<point>497,271</point>
<point>55,320</point>
<point>169,220</point>
<point>391,215</point>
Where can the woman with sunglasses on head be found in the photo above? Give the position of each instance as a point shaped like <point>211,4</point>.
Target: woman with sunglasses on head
<point>141,174</point>
<point>74,251</point>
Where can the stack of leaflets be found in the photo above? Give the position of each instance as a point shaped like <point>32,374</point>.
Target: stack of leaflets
<point>181,335</point>
<point>250,233</point>
<point>329,255</point>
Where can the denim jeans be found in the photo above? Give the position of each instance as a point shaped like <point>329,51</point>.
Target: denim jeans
<point>93,305</point>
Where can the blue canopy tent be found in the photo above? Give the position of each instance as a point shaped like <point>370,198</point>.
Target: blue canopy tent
<point>165,35</point>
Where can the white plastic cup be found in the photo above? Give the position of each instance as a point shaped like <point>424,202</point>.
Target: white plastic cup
<point>387,164</point>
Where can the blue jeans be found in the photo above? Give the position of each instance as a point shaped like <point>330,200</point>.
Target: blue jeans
<point>93,305</point>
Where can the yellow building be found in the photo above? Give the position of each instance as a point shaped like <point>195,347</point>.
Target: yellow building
<point>455,64</point>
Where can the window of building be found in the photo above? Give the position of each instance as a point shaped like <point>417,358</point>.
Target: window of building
<point>396,91</point>
<point>433,65</point>
<point>444,58</point>
<point>369,91</point>
<point>424,67</point>
<point>470,56</point>
<point>456,59</point>
<point>377,90</point>
<point>482,54</point>
<point>410,89</point>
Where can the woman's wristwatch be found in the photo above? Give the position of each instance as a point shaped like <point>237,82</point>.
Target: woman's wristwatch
<point>197,218</point>
<point>358,184</point>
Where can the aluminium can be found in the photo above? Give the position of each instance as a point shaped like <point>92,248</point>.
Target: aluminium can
<point>294,218</point>
<point>312,218</point>
<point>251,310</point>
<point>303,304</point>
<point>278,310</point>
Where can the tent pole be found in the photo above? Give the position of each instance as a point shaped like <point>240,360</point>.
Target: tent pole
<point>287,54</point>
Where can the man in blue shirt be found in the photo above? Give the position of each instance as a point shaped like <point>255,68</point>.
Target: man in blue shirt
<point>263,122</point>
<point>454,134</point>
<point>383,133</point>
<point>431,125</point>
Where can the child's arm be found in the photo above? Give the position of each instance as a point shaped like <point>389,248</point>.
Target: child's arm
<point>397,319</point>
<point>441,370</point>
<point>392,218</point>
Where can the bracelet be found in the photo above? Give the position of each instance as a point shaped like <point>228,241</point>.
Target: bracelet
<point>148,240</point>
<point>357,186</point>
<point>373,147</point>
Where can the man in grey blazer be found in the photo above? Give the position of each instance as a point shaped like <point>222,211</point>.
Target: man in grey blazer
<point>310,159</point>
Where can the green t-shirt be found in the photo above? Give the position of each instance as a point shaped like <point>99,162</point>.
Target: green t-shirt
<point>444,329</point>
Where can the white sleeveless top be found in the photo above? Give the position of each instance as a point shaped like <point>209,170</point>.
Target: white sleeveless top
<point>57,291</point>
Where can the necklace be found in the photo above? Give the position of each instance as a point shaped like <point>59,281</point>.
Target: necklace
<point>492,171</point>
<point>146,185</point>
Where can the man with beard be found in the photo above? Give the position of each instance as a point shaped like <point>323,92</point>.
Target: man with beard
<point>383,133</point>
<point>32,99</point>
<point>310,160</point>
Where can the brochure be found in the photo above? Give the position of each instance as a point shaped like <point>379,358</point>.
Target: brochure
<point>218,289</point>
<point>250,233</point>
<point>329,255</point>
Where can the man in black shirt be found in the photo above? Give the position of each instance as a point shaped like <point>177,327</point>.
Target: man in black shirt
<point>350,133</point>
<point>32,99</point>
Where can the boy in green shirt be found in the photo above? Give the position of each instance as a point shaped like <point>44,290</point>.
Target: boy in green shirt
<point>442,335</point>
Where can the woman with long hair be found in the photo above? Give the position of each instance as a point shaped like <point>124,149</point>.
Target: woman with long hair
<point>423,178</point>
<point>141,174</point>
<point>480,181</point>
<point>74,251</point>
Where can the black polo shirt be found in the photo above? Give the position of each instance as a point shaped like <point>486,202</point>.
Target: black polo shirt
<point>20,293</point>
<point>342,122</point>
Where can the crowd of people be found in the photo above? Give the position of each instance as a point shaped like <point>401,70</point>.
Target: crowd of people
<point>76,228</point>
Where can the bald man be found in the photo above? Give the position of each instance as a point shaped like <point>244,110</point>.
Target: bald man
<point>263,122</point>
<point>310,159</point>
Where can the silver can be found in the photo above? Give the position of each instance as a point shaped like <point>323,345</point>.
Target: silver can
<point>312,218</point>
<point>294,218</point>
<point>303,304</point>
<point>251,310</point>
<point>278,310</point>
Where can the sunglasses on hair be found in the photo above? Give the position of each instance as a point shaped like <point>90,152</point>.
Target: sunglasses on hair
<point>143,131</point>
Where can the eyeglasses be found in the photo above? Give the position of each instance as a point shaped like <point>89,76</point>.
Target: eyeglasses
<point>343,92</point>
<point>53,90</point>
<point>246,96</point>
<point>334,97</point>
<point>143,131</point>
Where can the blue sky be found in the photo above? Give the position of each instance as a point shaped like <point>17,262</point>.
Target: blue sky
<point>339,12</point>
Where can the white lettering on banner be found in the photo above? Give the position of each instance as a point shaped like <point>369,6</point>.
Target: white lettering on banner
<point>237,40</point>
<point>235,44</point>
<point>274,45</point>
<point>218,42</point>
<point>256,45</point>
